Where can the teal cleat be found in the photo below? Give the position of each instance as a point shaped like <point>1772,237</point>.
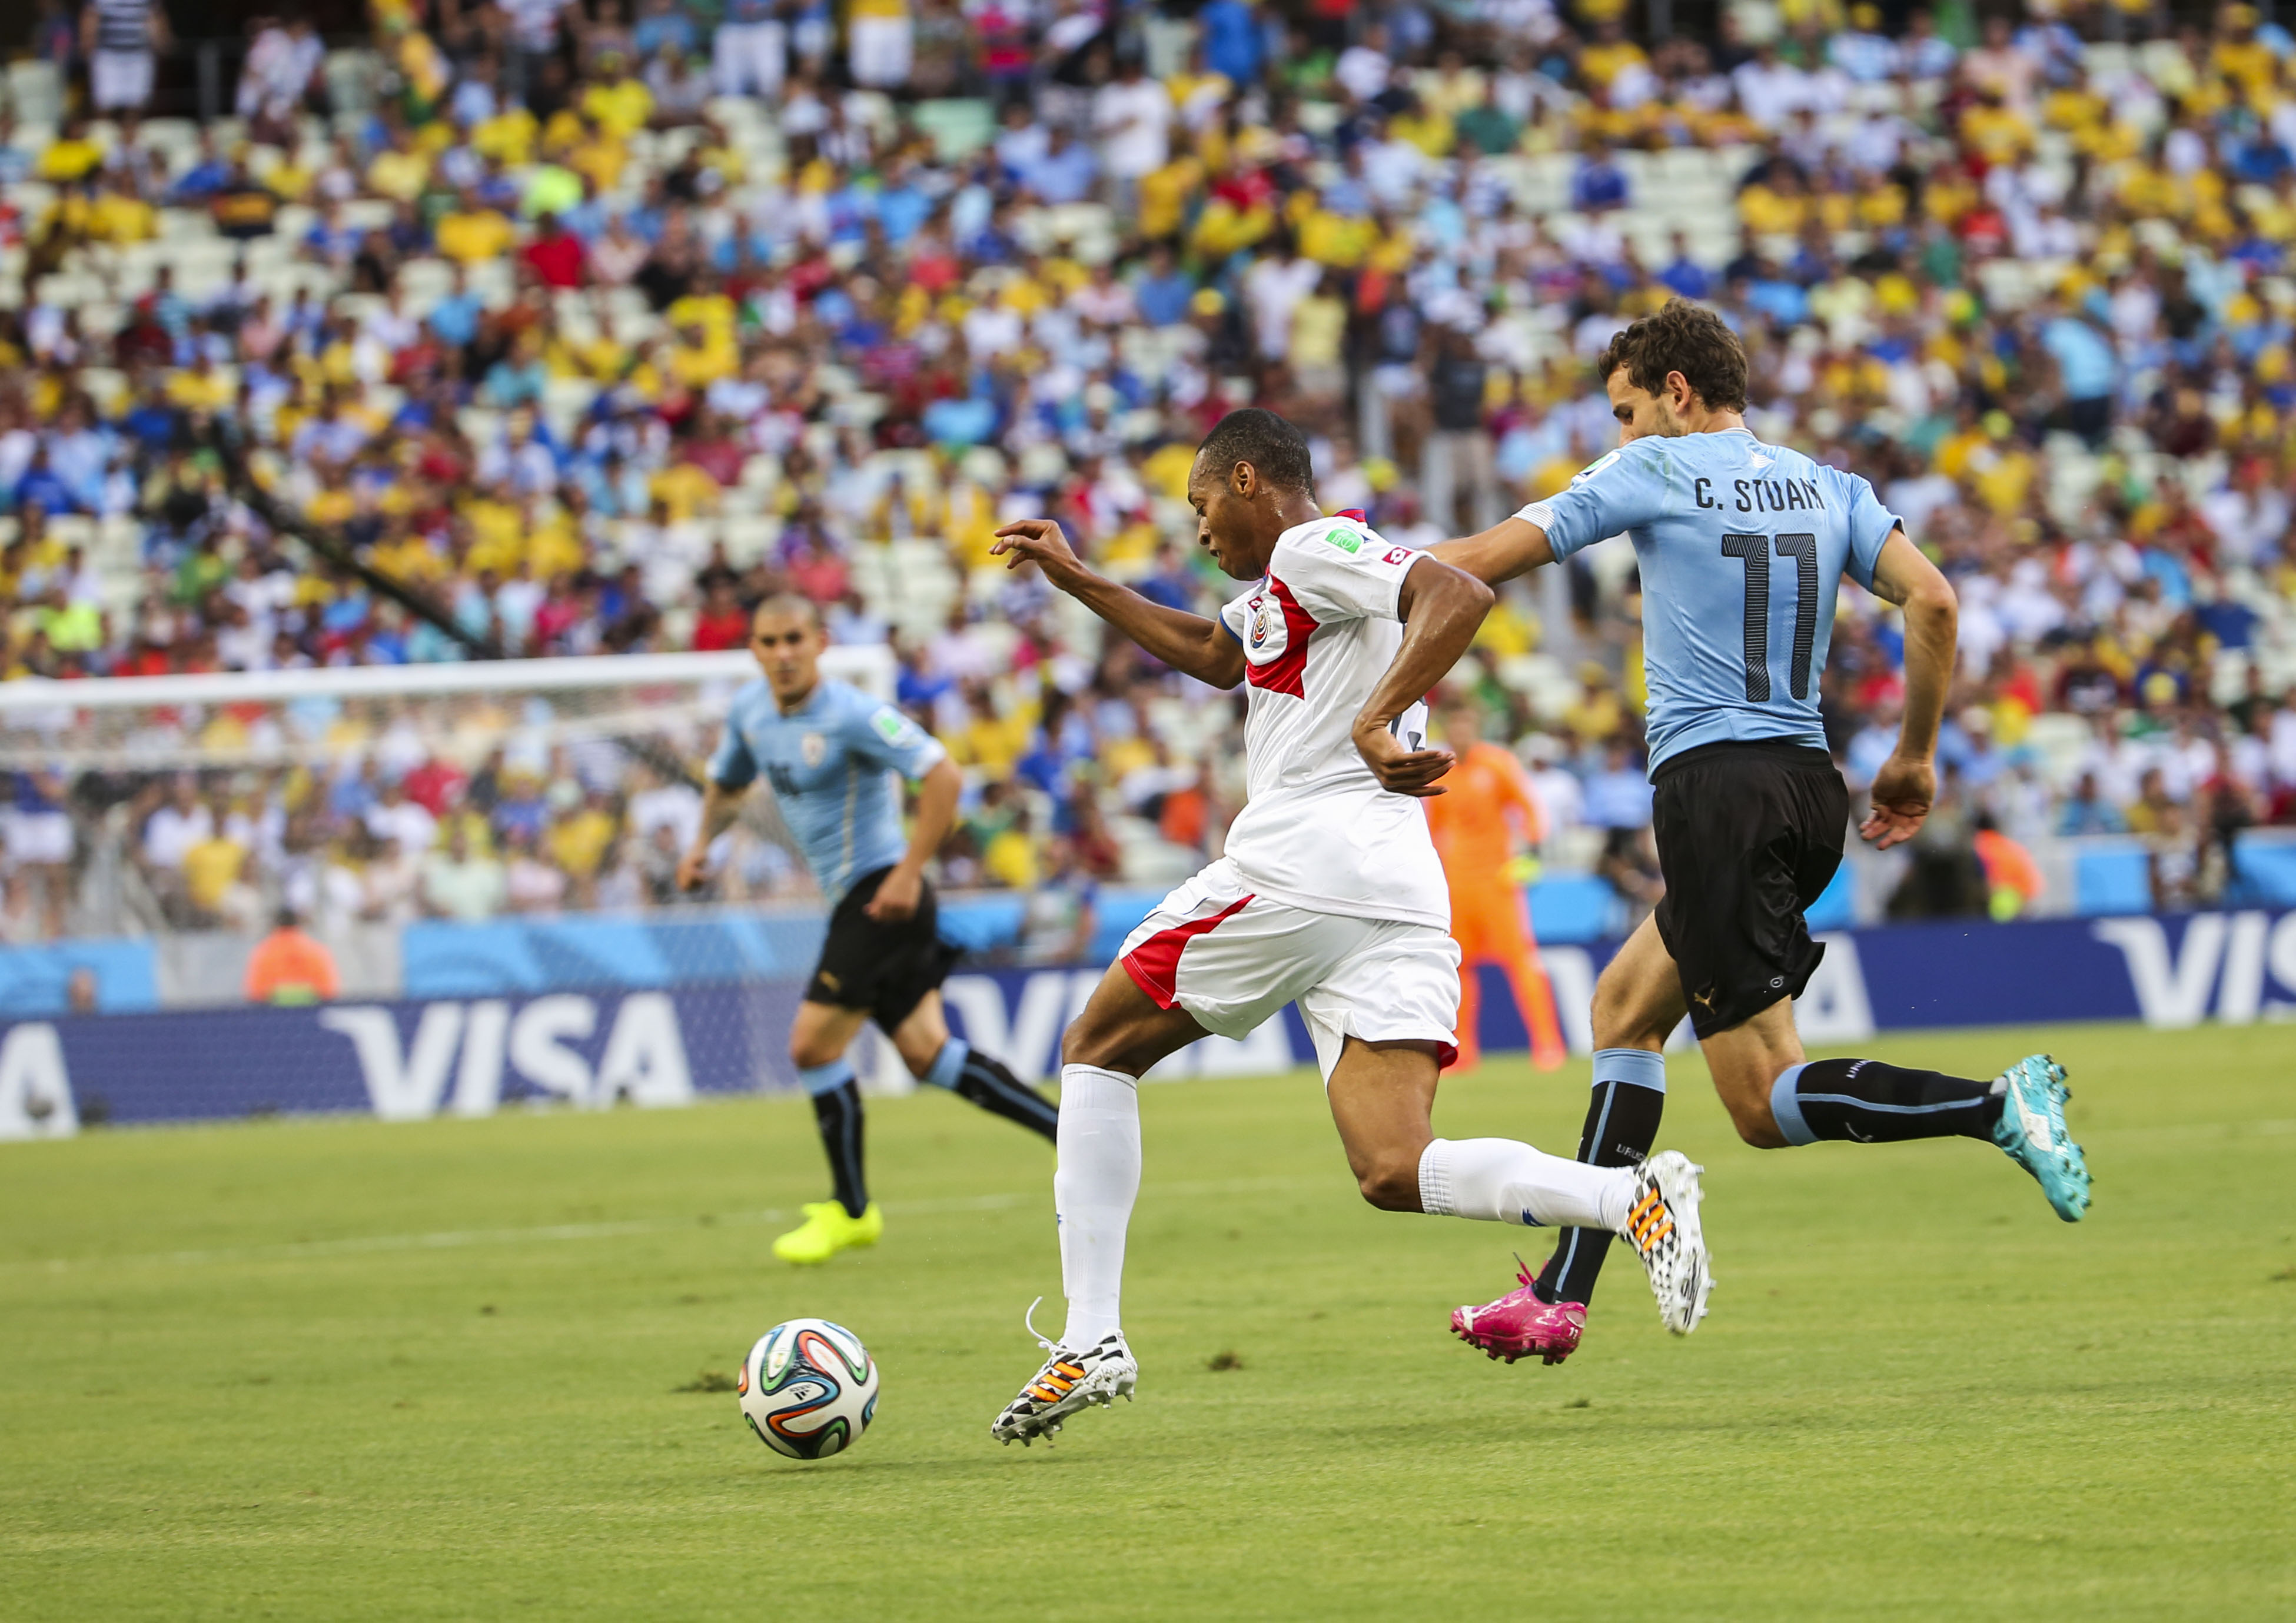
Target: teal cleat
<point>2032,1133</point>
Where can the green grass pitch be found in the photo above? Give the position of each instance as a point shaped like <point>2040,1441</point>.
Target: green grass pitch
<point>345,1370</point>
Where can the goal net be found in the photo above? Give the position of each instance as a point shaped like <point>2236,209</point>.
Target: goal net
<point>485,853</point>
<point>394,715</point>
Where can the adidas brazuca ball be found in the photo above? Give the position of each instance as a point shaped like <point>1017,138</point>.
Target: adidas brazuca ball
<point>808,1389</point>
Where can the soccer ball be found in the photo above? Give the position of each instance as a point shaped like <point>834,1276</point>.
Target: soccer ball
<point>808,1389</point>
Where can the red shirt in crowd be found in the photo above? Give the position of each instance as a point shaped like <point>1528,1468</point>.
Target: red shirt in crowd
<point>434,786</point>
<point>725,625</point>
<point>556,257</point>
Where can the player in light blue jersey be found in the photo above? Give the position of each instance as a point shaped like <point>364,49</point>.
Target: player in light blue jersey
<point>1742,546</point>
<point>835,758</point>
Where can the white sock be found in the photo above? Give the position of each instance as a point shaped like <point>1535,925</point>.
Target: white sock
<point>1093,1191</point>
<point>1497,1180</point>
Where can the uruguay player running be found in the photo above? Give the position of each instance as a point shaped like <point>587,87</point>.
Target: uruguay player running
<point>1742,546</point>
<point>830,752</point>
<point>1330,893</point>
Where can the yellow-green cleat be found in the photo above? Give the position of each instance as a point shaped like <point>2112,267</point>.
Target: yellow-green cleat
<point>827,1230</point>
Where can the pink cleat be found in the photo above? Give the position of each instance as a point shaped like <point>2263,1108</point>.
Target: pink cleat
<point>1519,1324</point>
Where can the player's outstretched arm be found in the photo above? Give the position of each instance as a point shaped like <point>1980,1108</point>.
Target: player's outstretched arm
<point>1499,553</point>
<point>1440,608</point>
<point>1907,783</point>
<point>1186,642</point>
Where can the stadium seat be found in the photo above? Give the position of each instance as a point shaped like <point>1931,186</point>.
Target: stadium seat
<point>36,95</point>
<point>746,538</point>
<point>959,126</point>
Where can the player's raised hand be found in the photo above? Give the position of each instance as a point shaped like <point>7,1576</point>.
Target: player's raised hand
<point>1401,771</point>
<point>693,868</point>
<point>1903,791</point>
<point>1037,541</point>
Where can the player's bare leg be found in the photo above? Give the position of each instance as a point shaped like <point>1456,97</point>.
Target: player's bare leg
<point>1120,1034</point>
<point>1744,1061</point>
<point>1383,1099</point>
<point>1382,1096</point>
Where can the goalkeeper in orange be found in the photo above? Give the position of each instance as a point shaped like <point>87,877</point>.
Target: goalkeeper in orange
<point>1476,839</point>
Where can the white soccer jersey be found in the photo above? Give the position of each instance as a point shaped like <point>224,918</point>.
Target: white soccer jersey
<point>1318,832</point>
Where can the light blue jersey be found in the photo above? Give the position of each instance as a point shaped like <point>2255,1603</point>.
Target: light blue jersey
<point>1742,546</point>
<point>832,764</point>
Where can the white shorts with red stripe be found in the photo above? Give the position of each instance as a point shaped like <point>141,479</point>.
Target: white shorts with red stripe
<point>1232,959</point>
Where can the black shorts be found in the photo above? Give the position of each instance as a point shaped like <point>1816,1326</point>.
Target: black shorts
<point>885,969</point>
<point>1748,835</point>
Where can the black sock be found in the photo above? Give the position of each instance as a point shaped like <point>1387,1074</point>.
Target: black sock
<point>1622,1121</point>
<point>987,1083</point>
<point>1872,1102</point>
<point>838,1113</point>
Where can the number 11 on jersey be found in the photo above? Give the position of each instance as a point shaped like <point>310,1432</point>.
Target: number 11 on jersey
<point>1756,551</point>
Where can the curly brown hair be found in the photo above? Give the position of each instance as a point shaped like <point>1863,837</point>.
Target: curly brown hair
<point>1685,338</point>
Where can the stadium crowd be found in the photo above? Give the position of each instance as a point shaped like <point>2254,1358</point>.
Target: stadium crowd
<point>593,327</point>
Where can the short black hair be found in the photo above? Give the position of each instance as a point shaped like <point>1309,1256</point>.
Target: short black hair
<point>1685,338</point>
<point>789,602</point>
<point>1274,447</point>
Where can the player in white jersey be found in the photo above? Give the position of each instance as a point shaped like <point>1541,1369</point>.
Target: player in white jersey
<point>1330,895</point>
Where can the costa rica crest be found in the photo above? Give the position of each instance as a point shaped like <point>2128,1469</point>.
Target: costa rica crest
<point>1274,635</point>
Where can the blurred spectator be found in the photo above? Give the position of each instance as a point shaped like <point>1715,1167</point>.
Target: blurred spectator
<point>214,874</point>
<point>291,967</point>
<point>1457,458</point>
<point>1056,925</point>
<point>530,882</point>
<point>391,881</point>
<point>278,74</point>
<point>882,41</point>
<point>1235,39</point>
<point>395,816</point>
<point>2013,879</point>
<point>2086,811</point>
<point>120,40</point>
<point>554,255</point>
<point>462,883</point>
<point>750,52</point>
<point>1618,801</point>
<point>39,842</point>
